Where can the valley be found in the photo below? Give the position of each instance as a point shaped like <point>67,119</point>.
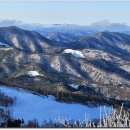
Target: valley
<point>79,75</point>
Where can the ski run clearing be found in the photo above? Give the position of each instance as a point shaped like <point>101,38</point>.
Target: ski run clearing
<point>31,106</point>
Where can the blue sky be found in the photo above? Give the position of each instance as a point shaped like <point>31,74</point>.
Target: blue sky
<point>82,13</point>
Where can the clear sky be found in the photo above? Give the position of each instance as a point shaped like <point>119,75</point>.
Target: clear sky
<point>82,13</point>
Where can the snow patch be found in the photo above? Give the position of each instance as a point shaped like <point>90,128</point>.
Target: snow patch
<point>75,53</point>
<point>4,45</point>
<point>74,86</point>
<point>33,73</point>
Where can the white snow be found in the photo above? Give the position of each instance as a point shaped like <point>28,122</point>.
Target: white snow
<point>33,73</point>
<point>74,86</point>
<point>3,44</point>
<point>75,53</point>
<point>29,106</point>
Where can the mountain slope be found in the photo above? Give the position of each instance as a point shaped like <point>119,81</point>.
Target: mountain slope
<point>29,41</point>
<point>104,66</point>
<point>114,43</point>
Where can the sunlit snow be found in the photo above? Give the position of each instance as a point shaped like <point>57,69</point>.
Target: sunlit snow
<point>74,86</point>
<point>75,53</point>
<point>33,73</point>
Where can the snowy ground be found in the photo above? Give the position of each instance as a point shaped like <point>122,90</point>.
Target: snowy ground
<point>29,106</point>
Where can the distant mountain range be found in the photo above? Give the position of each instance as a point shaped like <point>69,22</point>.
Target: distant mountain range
<point>69,32</point>
<point>100,61</point>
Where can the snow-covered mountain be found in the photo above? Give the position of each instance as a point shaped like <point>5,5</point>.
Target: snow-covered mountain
<point>68,32</point>
<point>99,64</point>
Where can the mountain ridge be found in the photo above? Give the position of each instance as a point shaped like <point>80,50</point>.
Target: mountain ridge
<point>104,66</point>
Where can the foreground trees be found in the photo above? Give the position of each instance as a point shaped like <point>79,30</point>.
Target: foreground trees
<point>115,119</point>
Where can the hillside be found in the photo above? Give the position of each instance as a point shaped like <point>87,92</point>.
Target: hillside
<point>101,71</point>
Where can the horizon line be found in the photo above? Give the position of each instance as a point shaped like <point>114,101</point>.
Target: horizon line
<point>25,22</point>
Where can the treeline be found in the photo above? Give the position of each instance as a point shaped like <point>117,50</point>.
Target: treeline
<point>5,114</point>
<point>65,95</point>
<point>6,100</point>
<point>20,123</point>
<point>62,95</point>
